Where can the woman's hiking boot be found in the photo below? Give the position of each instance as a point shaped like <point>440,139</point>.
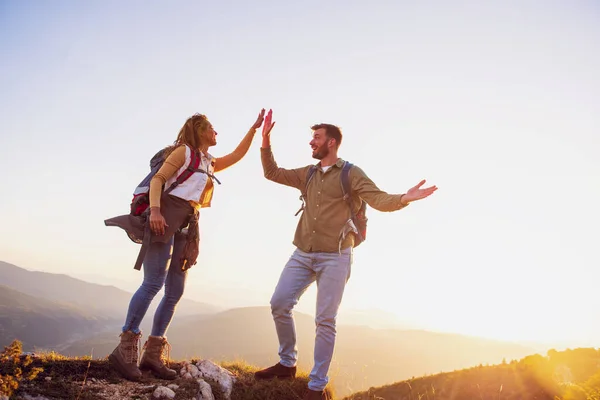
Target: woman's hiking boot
<point>124,357</point>
<point>154,357</point>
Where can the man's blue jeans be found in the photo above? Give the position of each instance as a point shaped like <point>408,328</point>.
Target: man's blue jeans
<point>161,267</point>
<point>331,271</point>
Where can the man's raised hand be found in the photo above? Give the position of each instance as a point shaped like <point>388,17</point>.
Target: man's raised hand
<point>416,193</point>
<point>268,124</point>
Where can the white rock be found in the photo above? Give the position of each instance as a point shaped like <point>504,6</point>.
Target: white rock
<point>212,371</point>
<point>191,369</point>
<point>3,397</point>
<point>205,392</point>
<point>48,378</point>
<point>187,375</point>
<point>162,391</point>
<point>185,368</point>
<point>173,386</point>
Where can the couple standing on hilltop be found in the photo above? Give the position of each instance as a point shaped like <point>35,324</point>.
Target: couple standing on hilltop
<point>331,224</point>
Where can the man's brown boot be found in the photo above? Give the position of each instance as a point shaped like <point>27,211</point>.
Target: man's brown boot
<point>276,371</point>
<point>154,358</point>
<point>314,395</point>
<point>124,357</point>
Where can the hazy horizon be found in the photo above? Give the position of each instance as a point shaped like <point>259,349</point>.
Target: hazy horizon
<point>56,313</point>
<point>540,345</point>
<point>496,104</point>
<point>374,318</point>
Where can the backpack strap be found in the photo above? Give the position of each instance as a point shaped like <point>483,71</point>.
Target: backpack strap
<point>347,190</point>
<point>190,170</point>
<point>205,172</point>
<point>194,163</point>
<point>345,178</point>
<point>196,169</point>
<point>309,175</point>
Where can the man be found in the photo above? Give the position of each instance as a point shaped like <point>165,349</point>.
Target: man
<point>324,243</point>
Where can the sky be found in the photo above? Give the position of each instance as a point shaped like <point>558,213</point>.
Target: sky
<point>497,104</point>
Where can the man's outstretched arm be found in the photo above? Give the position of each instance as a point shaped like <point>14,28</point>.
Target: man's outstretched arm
<point>290,177</point>
<point>382,201</point>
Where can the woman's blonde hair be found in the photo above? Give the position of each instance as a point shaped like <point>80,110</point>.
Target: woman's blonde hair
<point>188,134</point>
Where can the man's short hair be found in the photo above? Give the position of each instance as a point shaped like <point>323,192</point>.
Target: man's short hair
<point>332,132</point>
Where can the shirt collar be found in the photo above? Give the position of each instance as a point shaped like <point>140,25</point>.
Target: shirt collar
<point>339,163</point>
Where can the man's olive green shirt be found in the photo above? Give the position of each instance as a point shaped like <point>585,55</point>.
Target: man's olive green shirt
<point>326,213</point>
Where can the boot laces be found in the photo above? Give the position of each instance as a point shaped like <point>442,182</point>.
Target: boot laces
<point>132,349</point>
<point>136,352</point>
<point>165,352</point>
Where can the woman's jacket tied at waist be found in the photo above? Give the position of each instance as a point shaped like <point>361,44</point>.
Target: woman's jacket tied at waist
<point>181,219</point>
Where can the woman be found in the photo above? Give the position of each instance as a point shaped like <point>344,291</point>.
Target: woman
<point>173,245</point>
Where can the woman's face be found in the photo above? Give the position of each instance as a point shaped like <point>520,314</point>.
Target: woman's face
<point>208,135</point>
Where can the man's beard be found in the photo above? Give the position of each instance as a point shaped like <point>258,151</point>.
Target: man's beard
<point>321,152</point>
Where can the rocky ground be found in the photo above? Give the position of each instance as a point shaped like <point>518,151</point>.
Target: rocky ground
<point>92,380</point>
<point>84,379</point>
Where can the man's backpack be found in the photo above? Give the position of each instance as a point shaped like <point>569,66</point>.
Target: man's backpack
<point>359,219</point>
<point>141,199</point>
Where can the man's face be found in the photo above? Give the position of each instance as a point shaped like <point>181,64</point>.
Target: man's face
<point>320,144</point>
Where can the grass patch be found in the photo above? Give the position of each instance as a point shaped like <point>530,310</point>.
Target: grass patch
<point>84,378</point>
<point>248,388</point>
<point>15,369</point>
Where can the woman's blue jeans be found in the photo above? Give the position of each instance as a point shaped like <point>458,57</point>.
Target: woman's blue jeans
<point>161,267</point>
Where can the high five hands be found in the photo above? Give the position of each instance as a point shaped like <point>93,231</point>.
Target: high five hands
<point>268,124</point>
<point>267,127</point>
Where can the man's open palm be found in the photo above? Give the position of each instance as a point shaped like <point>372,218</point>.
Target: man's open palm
<point>268,124</point>
<point>416,193</point>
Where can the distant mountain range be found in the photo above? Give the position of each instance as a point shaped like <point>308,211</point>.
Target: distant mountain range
<point>43,323</point>
<point>100,300</point>
<point>51,311</point>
